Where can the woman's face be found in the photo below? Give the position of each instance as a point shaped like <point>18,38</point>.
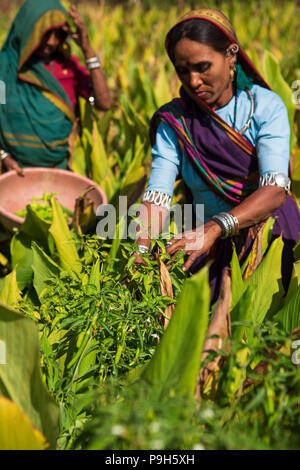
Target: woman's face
<point>50,43</point>
<point>204,71</point>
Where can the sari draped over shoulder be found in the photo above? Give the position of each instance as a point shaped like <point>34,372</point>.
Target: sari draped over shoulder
<point>227,162</point>
<point>37,118</point>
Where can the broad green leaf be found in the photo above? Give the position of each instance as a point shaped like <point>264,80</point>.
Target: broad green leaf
<point>148,89</point>
<point>99,156</point>
<point>21,259</point>
<point>78,162</point>
<point>43,269</point>
<point>274,78</point>
<point>254,57</point>
<point>237,283</point>
<point>36,228</point>
<point>24,277</point>
<point>118,236</point>
<point>267,234</point>
<point>134,171</point>
<point>65,245</point>
<point>10,293</point>
<point>267,279</point>
<point>289,315</point>
<point>100,165</point>
<point>134,121</point>
<point>266,239</point>
<point>162,88</point>
<point>86,362</point>
<point>176,362</point>
<point>296,267</point>
<point>20,374</point>
<point>104,123</point>
<point>95,275</point>
<point>241,316</point>
<point>16,430</point>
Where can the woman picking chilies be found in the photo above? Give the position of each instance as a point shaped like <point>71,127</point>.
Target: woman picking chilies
<point>228,136</point>
<point>43,82</point>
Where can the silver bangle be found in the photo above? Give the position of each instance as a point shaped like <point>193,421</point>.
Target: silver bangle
<point>143,248</point>
<point>3,154</point>
<point>94,65</point>
<point>223,225</point>
<point>227,223</point>
<point>230,221</point>
<point>92,60</point>
<point>158,198</point>
<point>275,179</point>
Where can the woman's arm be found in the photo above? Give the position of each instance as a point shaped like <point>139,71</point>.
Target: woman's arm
<point>100,89</point>
<point>254,209</point>
<point>273,157</point>
<point>272,144</point>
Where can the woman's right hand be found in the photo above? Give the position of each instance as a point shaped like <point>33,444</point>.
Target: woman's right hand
<point>139,259</point>
<point>11,164</point>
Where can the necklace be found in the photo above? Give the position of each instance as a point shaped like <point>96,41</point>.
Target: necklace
<point>247,125</point>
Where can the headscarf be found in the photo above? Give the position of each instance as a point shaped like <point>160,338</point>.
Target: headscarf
<point>246,69</point>
<point>38,117</point>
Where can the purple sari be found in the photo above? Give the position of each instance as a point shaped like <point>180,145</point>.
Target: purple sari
<point>226,161</point>
<point>229,165</point>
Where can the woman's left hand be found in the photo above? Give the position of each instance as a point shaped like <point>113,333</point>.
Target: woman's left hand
<point>195,242</point>
<point>80,36</point>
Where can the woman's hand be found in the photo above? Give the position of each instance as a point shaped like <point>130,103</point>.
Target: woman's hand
<point>139,259</point>
<point>11,164</point>
<point>195,242</point>
<point>80,36</point>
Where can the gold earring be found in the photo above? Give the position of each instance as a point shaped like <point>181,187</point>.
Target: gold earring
<point>232,72</point>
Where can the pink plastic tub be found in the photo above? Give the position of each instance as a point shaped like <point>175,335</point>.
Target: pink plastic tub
<point>17,191</point>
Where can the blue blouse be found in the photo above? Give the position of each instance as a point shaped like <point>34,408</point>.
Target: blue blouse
<point>269,132</point>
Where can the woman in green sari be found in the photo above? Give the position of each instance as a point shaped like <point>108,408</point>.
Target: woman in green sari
<point>42,83</point>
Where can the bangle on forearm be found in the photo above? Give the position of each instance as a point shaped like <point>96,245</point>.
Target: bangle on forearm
<point>92,60</point>
<point>93,63</point>
<point>143,248</point>
<point>158,198</point>
<point>275,179</point>
<point>94,66</point>
<point>228,223</point>
<point>3,154</point>
<point>236,224</point>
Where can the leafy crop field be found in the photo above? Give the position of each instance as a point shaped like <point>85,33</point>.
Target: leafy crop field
<point>105,355</point>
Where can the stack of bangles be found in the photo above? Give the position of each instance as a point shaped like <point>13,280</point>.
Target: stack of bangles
<point>228,223</point>
<point>3,154</point>
<point>93,63</point>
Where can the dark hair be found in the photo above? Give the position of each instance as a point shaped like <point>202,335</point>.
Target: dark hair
<point>199,30</point>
